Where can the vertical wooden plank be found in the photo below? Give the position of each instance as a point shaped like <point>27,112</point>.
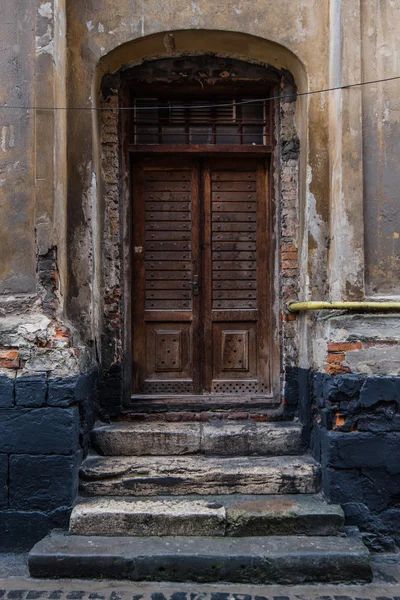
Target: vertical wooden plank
<point>127,246</point>
<point>196,350</point>
<point>139,332</point>
<point>264,277</point>
<point>207,279</point>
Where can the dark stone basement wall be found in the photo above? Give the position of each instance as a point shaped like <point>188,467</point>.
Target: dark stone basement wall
<point>356,437</point>
<point>44,425</point>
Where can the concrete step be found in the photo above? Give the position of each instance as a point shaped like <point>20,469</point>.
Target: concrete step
<point>181,475</point>
<point>224,438</point>
<point>234,515</point>
<point>256,560</point>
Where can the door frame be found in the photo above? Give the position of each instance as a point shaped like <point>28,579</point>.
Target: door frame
<point>132,153</point>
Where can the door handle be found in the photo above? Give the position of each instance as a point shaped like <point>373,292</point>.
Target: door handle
<point>195,285</point>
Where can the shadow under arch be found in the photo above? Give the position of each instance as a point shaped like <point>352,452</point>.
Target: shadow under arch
<point>169,44</point>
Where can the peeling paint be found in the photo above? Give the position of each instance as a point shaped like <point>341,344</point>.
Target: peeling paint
<point>3,138</point>
<point>8,139</point>
<point>46,10</point>
<point>45,43</point>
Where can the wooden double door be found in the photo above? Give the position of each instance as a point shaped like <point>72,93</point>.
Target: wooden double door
<point>201,276</point>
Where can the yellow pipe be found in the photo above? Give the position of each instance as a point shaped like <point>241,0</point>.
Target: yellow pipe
<point>318,305</point>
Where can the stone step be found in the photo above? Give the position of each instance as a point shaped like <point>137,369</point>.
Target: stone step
<point>255,560</point>
<point>230,515</point>
<point>192,416</point>
<point>203,402</point>
<point>182,475</point>
<point>224,438</point>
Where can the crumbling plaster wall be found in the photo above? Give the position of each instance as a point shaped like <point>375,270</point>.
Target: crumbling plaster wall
<point>322,44</point>
<point>47,379</point>
<point>104,36</point>
<point>115,34</point>
<point>33,189</point>
<point>68,45</point>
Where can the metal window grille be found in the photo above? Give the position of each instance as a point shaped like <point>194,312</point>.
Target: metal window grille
<point>202,121</point>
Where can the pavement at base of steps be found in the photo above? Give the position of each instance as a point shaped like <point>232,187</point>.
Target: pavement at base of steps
<point>15,584</point>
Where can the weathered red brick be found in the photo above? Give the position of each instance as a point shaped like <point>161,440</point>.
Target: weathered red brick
<point>336,369</point>
<point>258,418</point>
<point>289,317</point>
<point>289,256</point>
<point>344,346</point>
<point>9,359</point>
<point>380,344</point>
<point>335,358</point>
<point>238,416</point>
<point>289,273</point>
<point>288,247</point>
<point>339,421</point>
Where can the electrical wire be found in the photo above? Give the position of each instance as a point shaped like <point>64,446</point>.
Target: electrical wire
<point>192,107</point>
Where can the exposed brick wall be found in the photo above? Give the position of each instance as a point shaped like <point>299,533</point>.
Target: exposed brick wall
<point>336,358</point>
<point>112,234</point>
<point>288,203</point>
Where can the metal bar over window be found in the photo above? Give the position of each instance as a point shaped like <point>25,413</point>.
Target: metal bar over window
<point>202,122</point>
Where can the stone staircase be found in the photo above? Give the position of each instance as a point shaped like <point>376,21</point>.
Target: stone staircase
<point>232,501</point>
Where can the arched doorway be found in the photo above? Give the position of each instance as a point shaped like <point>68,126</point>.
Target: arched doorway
<point>199,140</point>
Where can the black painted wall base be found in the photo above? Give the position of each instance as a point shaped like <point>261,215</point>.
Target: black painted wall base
<point>356,437</point>
<point>355,434</point>
<point>44,426</point>
<point>361,471</point>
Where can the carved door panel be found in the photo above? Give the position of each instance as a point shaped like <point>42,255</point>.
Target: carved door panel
<point>236,279</point>
<point>201,283</point>
<point>166,265</point>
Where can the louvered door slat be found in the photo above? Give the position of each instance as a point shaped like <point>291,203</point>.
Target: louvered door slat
<point>235,325</point>
<point>201,306</point>
<point>166,325</point>
<point>225,258</point>
<point>160,263</point>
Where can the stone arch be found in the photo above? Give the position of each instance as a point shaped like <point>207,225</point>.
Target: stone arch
<point>113,315</point>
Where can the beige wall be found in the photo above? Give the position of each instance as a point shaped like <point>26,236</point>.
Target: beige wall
<point>381,122</point>
<point>54,53</point>
<point>17,170</point>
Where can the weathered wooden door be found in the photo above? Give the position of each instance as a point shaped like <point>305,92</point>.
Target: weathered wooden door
<point>202,299</point>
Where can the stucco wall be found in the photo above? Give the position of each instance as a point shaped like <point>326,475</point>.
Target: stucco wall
<point>381,127</point>
<point>35,68</point>
<point>118,34</point>
<point>17,183</point>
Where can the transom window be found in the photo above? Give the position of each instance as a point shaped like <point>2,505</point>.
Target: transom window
<point>210,121</point>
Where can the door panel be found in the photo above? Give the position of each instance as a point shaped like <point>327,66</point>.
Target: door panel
<point>166,257</point>
<point>236,278</point>
<point>202,293</point>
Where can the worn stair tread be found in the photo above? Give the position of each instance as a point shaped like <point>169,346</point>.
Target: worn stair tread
<point>176,475</point>
<point>291,559</point>
<point>199,403</point>
<point>237,515</point>
<point>217,437</point>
